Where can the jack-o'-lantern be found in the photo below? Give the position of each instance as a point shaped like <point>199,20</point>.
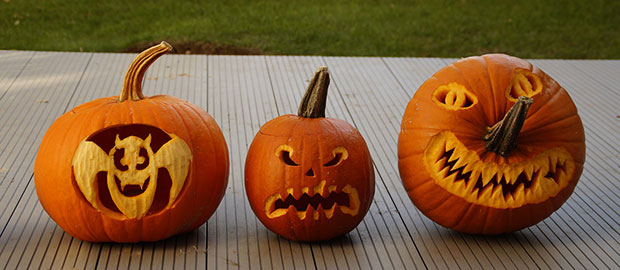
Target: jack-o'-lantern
<point>132,168</point>
<point>308,177</point>
<point>490,145</point>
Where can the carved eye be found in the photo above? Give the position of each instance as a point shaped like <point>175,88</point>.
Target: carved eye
<point>454,96</point>
<point>284,152</point>
<point>340,154</point>
<point>524,83</point>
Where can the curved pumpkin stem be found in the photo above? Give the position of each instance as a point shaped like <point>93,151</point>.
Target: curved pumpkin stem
<point>313,103</point>
<point>501,138</point>
<point>132,85</point>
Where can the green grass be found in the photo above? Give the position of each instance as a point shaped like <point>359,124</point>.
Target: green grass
<point>526,28</point>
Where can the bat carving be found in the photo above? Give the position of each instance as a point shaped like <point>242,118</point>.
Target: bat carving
<point>89,159</point>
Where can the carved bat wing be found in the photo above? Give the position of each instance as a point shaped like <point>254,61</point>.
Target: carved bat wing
<point>88,160</point>
<point>176,157</point>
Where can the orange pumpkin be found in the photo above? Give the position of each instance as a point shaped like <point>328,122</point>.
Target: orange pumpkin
<point>490,145</point>
<point>132,168</point>
<point>307,177</point>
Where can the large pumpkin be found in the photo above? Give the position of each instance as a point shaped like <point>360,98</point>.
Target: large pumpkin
<point>490,145</point>
<point>132,168</point>
<point>308,177</point>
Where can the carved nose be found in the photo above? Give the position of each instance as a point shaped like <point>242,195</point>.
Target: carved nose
<point>310,172</point>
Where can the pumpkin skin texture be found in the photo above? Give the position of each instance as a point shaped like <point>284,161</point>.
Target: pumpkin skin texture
<point>307,177</point>
<point>131,168</point>
<point>459,179</point>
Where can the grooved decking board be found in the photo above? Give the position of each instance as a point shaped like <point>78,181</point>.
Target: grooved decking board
<point>244,92</point>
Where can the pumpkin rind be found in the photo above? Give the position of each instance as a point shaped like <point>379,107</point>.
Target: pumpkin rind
<point>198,198</point>
<point>551,123</point>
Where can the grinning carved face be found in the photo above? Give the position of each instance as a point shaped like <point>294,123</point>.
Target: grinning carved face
<point>461,172</point>
<point>451,165</point>
<point>124,176</point>
<point>309,184</point>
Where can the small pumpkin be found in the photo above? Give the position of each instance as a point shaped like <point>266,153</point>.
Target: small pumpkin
<point>490,145</point>
<point>308,177</point>
<point>132,168</point>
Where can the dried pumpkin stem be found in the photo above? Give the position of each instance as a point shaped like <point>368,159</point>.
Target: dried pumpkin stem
<point>132,85</point>
<point>501,138</point>
<point>313,103</point>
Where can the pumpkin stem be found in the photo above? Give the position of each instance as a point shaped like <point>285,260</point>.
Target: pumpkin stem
<point>501,138</point>
<point>132,85</point>
<point>313,103</point>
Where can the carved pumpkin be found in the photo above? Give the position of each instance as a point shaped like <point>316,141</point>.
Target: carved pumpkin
<point>490,145</point>
<point>132,168</point>
<point>307,177</point>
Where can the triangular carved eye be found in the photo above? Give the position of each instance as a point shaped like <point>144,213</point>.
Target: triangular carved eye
<point>340,154</point>
<point>284,152</point>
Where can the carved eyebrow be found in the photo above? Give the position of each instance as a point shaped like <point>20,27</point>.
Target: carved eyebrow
<point>340,154</point>
<point>284,152</point>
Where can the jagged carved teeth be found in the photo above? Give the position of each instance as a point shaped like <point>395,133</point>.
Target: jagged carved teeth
<point>130,189</point>
<point>322,199</point>
<point>461,172</point>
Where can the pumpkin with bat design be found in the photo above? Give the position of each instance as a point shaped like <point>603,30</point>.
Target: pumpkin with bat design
<point>308,177</point>
<point>132,168</point>
<point>490,145</point>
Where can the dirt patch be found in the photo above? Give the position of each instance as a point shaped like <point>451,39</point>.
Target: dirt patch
<point>198,47</point>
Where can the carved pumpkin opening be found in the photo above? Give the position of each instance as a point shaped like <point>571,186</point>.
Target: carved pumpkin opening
<point>132,166</point>
<point>306,201</point>
<point>524,83</point>
<point>454,96</point>
<point>461,172</point>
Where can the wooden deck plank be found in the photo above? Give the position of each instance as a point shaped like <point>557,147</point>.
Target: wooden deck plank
<point>242,93</point>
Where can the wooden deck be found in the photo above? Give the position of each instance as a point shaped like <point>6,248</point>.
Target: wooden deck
<point>242,93</point>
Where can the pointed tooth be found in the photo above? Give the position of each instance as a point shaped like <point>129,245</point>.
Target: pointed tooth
<point>497,196</point>
<point>486,193</point>
<point>471,183</point>
<point>550,186</point>
<point>329,213</point>
<point>320,188</point>
<point>510,201</point>
<point>317,212</point>
<point>454,156</point>
<point>450,179</point>
<point>459,187</point>
<point>302,214</point>
<point>553,162</point>
<point>469,166</point>
<point>529,195</point>
<point>443,173</point>
<point>475,174</point>
<point>487,175</point>
<point>529,171</point>
<point>440,164</point>
<point>474,195</point>
<point>519,195</point>
<point>513,174</point>
<point>462,161</point>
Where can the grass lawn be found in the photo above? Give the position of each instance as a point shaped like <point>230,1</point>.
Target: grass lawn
<point>526,28</point>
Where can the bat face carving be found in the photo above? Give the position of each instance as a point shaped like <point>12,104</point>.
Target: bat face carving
<point>131,166</point>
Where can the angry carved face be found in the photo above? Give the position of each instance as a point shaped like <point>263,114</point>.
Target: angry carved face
<point>310,183</point>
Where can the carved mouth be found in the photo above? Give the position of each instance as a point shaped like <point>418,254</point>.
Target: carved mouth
<point>322,199</point>
<point>129,190</point>
<point>461,172</point>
